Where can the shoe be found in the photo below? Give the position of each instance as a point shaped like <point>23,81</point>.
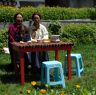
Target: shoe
<point>29,67</point>
<point>18,66</point>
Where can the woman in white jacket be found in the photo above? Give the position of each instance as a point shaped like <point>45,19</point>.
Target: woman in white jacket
<point>38,32</point>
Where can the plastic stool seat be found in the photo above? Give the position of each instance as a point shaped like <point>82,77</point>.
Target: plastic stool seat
<point>79,63</point>
<point>45,76</point>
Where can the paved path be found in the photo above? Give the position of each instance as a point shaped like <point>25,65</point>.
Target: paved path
<point>2,25</point>
<point>46,22</point>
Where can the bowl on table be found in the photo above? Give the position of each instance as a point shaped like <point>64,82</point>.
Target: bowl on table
<point>55,38</point>
<point>21,42</point>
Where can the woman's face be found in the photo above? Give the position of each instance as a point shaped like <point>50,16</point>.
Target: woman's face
<point>19,19</point>
<point>36,19</point>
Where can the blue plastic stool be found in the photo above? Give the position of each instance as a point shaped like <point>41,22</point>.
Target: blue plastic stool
<point>45,76</point>
<point>79,63</point>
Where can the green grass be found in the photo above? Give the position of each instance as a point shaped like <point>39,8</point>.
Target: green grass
<point>10,83</point>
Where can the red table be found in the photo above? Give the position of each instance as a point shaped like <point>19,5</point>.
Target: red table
<point>31,47</point>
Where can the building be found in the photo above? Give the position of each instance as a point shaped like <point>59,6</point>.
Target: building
<point>71,3</point>
<point>8,2</point>
<point>29,2</point>
<point>20,3</point>
<point>51,3</point>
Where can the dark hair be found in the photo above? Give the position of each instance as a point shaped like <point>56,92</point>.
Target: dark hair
<point>36,14</point>
<point>16,15</point>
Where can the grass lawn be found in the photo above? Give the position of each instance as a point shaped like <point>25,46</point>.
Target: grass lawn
<point>86,85</point>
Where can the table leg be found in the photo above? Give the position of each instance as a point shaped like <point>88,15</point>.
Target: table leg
<point>56,69</point>
<point>22,67</point>
<point>56,55</point>
<point>69,64</point>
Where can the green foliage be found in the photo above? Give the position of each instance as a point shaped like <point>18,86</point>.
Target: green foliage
<point>79,33</point>
<point>7,13</point>
<point>54,27</point>
<point>48,13</point>
<point>92,12</point>
<point>3,38</point>
<point>76,33</point>
<point>27,12</point>
<point>10,83</point>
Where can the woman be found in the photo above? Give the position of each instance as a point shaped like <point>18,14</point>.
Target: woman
<point>18,32</point>
<point>38,32</point>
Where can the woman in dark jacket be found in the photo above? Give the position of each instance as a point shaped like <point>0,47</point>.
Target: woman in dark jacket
<point>17,32</point>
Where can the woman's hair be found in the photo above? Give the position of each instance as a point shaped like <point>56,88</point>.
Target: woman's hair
<point>16,15</point>
<point>36,14</point>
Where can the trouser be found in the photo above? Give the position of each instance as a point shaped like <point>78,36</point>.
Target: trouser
<point>38,58</point>
<point>27,56</point>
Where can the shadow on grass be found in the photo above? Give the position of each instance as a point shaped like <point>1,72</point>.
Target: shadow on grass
<point>6,67</point>
<point>7,75</point>
<point>9,78</point>
<point>12,78</point>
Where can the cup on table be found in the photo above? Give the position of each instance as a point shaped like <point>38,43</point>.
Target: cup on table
<point>39,40</point>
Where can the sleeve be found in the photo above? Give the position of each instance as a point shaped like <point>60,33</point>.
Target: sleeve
<point>45,33</point>
<point>11,34</point>
<point>30,31</point>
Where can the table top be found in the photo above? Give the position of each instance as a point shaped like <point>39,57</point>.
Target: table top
<point>43,44</point>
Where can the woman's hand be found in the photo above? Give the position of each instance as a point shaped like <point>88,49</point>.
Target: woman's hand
<point>34,40</point>
<point>21,42</point>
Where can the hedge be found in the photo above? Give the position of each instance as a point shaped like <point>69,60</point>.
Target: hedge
<point>79,33</point>
<point>48,13</point>
<point>76,33</point>
<point>3,38</point>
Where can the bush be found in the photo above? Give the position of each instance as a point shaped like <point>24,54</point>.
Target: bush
<point>3,38</point>
<point>76,33</point>
<point>54,27</point>
<point>48,13</point>
<point>92,12</point>
<point>79,33</point>
<point>7,13</point>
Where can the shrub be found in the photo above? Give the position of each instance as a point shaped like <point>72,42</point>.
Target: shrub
<point>92,12</point>
<point>76,33</point>
<point>54,27</point>
<point>7,13</point>
<point>48,13</point>
<point>79,33</point>
<point>3,38</point>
